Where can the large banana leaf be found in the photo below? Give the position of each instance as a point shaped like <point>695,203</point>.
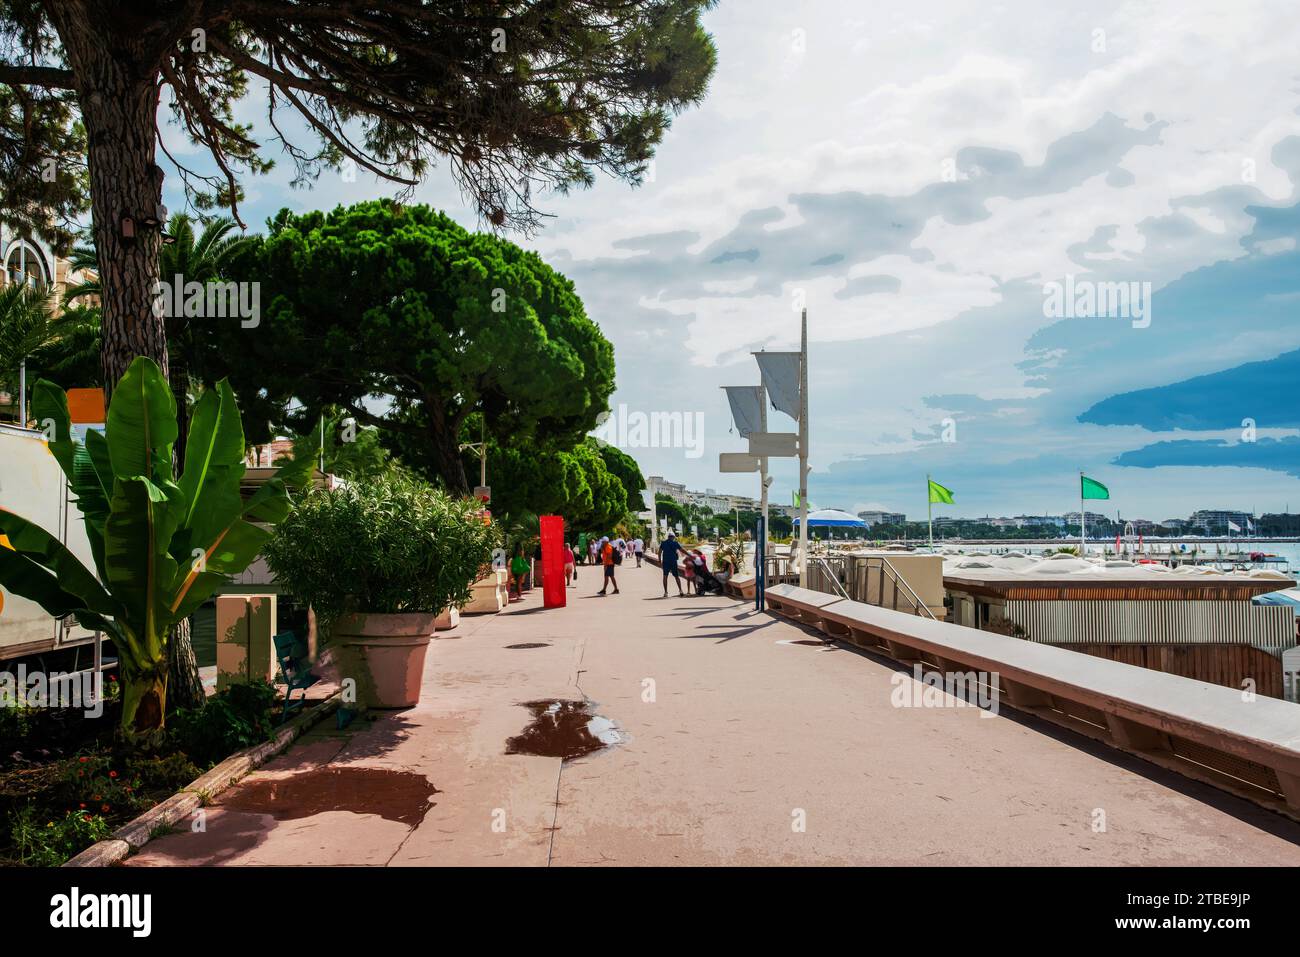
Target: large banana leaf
<point>27,579</point>
<point>86,466</point>
<point>47,551</point>
<point>142,423</point>
<point>93,487</point>
<point>50,409</point>
<point>145,528</point>
<point>230,555</point>
<point>214,464</point>
<point>137,564</point>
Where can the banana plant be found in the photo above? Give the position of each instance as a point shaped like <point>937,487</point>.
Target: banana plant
<point>161,544</point>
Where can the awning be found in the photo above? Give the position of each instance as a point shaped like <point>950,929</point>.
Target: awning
<point>832,518</point>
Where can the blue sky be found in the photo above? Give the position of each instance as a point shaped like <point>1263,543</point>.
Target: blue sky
<point>915,174</point>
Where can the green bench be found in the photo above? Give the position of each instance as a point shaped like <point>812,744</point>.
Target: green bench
<point>292,654</point>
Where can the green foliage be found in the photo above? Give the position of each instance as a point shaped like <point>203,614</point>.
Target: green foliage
<point>623,467</point>
<point>513,97</point>
<point>238,717</point>
<point>26,324</point>
<point>70,356</point>
<point>574,483</point>
<point>161,545</point>
<point>379,299</point>
<point>40,840</point>
<point>202,251</point>
<point>391,544</point>
<point>668,507</point>
<point>44,180</point>
<point>352,451</point>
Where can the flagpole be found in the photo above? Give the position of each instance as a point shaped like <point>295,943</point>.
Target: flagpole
<point>803,450</point>
<point>929,509</point>
<point>1083,521</point>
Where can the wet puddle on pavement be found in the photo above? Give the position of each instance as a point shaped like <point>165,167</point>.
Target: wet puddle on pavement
<point>563,729</point>
<point>394,795</point>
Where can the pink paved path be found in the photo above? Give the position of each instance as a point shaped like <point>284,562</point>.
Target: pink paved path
<point>733,737</point>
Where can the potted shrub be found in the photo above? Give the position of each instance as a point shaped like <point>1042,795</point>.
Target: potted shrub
<point>378,561</point>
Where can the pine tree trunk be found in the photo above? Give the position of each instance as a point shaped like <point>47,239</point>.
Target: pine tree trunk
<point>185,686</point>
<point>447,460</point>
<point>119,100</point>
<point>444,442</point>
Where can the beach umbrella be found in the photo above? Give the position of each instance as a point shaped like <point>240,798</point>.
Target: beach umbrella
<point>1286,596</point>
<point>832,518</point>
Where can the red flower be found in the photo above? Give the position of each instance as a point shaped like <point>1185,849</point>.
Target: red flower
<point>81,805</point>
<point>83,760</point>
<point>104,808</point>
<point>112,774</point>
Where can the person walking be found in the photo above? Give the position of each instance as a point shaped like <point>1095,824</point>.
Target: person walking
<point>570,566</point>
<point>638,549</point>
<point>518,570</point>
<point>609,557</point>
<point>668,554</point>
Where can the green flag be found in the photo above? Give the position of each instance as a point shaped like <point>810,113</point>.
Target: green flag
<point>1093,489</point>
<point>795,495</point>
<point>940,494</point>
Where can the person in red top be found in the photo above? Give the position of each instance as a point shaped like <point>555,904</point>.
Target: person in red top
<point>607,559</point>
<point>570,566</point>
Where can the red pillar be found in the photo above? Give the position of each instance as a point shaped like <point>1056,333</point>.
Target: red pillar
<point>554,593</point>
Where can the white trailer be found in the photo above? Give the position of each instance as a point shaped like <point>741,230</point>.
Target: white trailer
<point>32,485</point>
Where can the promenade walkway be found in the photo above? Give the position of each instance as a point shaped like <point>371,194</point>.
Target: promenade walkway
<point>744,740</point>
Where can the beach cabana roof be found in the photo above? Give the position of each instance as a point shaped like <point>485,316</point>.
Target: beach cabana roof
<point>1286,596</point>
<point>832,518</point>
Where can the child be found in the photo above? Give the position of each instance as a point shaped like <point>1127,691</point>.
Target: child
<point>570,567</point>
<point>518,570</point>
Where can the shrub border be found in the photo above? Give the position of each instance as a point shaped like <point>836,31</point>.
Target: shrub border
<point>135,834</point>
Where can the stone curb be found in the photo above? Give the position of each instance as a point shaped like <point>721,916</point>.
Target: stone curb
<point>135,834</point>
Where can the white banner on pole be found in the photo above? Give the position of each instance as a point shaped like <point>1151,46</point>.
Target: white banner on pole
<point>746,407</point>
<point>781,380</point>
<point>773,444</point>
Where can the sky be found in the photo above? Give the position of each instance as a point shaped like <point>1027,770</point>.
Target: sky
<point>923,178</point>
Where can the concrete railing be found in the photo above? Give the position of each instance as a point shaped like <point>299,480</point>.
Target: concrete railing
<point>1243,743</point>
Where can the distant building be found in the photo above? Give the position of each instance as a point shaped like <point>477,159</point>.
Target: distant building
<point>1216,520</point>
<point>1094,518</point>
<point>1039,521</point>
<point>716,502</point>
<point>882,518</point>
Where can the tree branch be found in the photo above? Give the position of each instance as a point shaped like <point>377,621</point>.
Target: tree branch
<point>50,77</point>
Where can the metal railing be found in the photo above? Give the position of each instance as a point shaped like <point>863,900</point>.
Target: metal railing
<point>863,570</point>
<point>866,578</point>
<point>822,577</point>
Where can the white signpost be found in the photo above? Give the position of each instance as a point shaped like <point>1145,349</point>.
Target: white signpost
<point>774,444</point>
<point>737,462</point>
<point>785,383</point>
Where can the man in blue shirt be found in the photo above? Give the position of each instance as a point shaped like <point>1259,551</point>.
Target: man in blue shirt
<point>668,553</point>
